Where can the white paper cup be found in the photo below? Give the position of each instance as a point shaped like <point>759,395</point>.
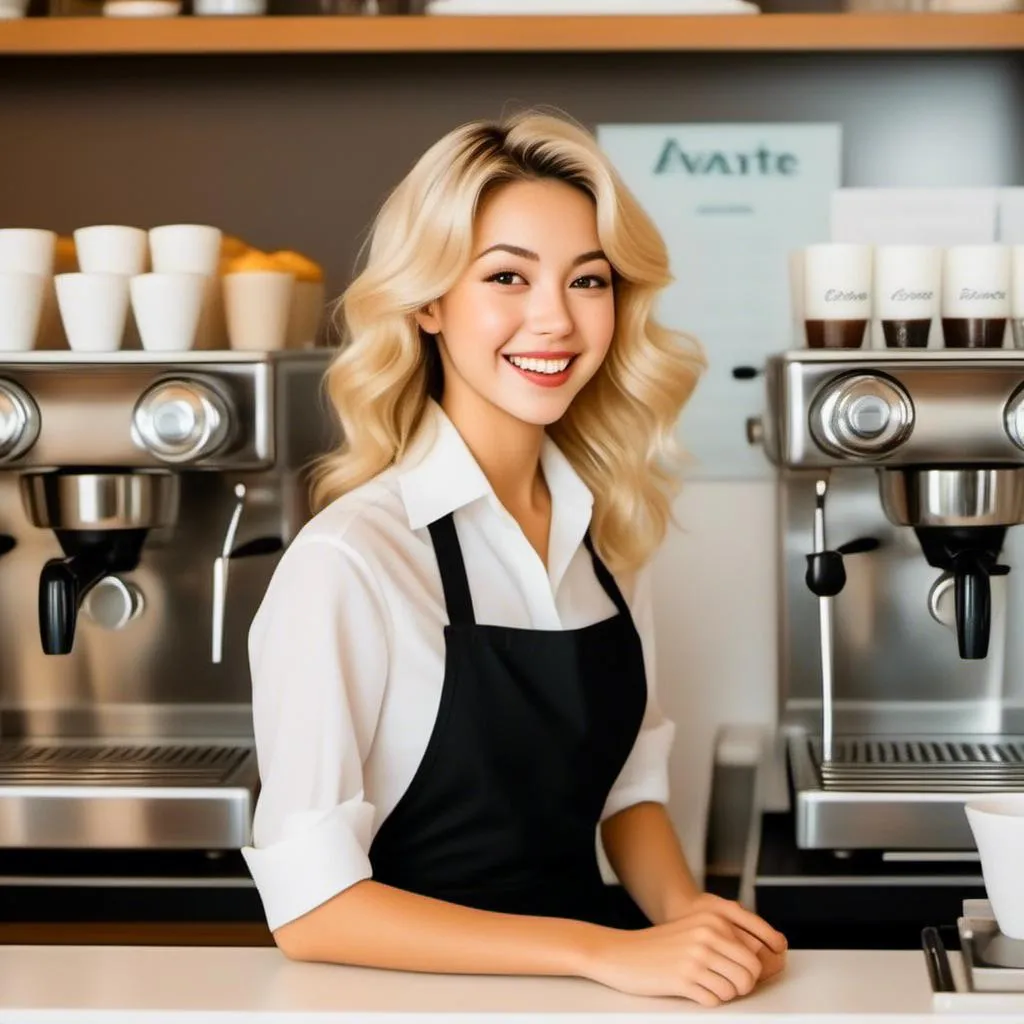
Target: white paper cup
<point>111,249</point>
<point>907,282</point>
<point>307,310</point>
<point>167,308</point>
<point>976,282</point>
<point>837,282</point>
<point>185,249</point>
<point>998,827</point>
<point>27,251</point>
<point>257,305</point>
<point>21,306</point>
<point>94,310</point>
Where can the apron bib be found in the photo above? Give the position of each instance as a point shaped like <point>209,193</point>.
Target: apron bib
<point>532,731</point>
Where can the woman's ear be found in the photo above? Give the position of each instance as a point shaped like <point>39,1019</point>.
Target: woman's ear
<point>426,317</point>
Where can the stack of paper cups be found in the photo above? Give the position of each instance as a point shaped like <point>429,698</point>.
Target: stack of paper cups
<point>193,249</point>
<point>26,275</point>
<point>105,249</point>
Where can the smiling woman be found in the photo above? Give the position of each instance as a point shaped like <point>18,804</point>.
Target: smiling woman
<point>453,666</point>
<point>442,244</point>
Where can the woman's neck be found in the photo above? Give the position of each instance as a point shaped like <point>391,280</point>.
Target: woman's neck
<point>505,448</point>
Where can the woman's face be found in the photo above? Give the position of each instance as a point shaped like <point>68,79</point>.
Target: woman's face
<point>530,320</point>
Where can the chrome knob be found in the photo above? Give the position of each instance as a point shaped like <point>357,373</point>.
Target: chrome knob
<point>19,421</point>
<point>112,603</point>
<point>1013,418</point>
<point>861,415</point>
<point>181,421</point>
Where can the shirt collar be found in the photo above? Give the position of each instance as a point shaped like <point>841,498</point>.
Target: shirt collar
<point>438,474</point>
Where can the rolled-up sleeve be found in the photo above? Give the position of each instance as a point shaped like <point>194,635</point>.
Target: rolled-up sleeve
<point>644,776</point>
<point>318,658</point>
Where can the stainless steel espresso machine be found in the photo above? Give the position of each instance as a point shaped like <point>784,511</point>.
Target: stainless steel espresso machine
<point>901,667</point>
<point>143,502</point>
<point>902,480</point>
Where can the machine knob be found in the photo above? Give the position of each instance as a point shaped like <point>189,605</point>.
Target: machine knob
<point>861,415</point>
<point>19,421</point>
<point>1013,418</point>
<point>181,421</point>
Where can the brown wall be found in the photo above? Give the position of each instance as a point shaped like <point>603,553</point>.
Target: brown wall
<point>297,152</point>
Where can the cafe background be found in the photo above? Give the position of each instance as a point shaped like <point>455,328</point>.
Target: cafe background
<point>297,151</point>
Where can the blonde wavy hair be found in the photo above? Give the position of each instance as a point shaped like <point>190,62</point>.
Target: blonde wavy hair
<point>619,431</point>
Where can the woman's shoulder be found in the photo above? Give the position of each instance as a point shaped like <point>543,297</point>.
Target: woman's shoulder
<point>350,546</point>
<point>370,512</point>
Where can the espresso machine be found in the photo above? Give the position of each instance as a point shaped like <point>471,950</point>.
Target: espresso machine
<point>144,499</point>
<point>900,476</point>
<point>901,483</point>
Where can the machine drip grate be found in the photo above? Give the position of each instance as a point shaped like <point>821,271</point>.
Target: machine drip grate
<point>967,765</point>
<point>31,764</point>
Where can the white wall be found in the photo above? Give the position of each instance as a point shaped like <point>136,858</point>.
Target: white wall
<point>715,631</point>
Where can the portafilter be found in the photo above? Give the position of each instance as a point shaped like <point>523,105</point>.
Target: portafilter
<point>101,520</point>
<point>960,515</point>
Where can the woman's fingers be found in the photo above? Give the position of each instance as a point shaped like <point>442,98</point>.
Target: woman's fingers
<point>750,922</point>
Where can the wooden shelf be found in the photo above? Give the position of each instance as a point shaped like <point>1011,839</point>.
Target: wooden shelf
<point>763,33</point>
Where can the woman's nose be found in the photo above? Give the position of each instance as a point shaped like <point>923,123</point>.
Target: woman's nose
<point>549,311</point>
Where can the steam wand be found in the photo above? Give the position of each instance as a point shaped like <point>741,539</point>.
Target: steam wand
<point>222,564</point>
<point>826,577</point>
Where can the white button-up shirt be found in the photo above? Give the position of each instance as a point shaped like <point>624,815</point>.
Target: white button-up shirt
<point>347,654</point>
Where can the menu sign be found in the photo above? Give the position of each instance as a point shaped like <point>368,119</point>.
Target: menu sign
<point>732,201</point>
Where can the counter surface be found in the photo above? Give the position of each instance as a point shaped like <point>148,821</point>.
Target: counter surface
<point>148,984</point>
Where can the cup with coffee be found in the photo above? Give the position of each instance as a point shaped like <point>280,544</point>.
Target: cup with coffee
<point>837,294</point>
<point>975,295</point>
<point>1017,295</point>
<point>907,282</point>
<point>998,826</point>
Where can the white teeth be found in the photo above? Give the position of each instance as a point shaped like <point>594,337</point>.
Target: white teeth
<point>539,365</point>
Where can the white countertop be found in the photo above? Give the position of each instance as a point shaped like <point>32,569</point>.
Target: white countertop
<point>110,984</point>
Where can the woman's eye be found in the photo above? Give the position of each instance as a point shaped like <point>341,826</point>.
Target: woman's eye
<point>596,281</point>
<point>503,277</point>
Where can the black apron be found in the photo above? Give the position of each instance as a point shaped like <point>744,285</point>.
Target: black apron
<point>532,730</point>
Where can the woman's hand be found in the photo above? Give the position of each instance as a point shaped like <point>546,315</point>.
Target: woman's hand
<point>711,953</point>
<point>700,956</point>
<point>754,932</point>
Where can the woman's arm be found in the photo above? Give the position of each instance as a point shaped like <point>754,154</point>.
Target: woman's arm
<point>371,924</point>
<point>644,851</point>
<point>376,925</point>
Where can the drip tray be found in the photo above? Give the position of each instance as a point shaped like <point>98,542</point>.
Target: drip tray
<point>924,764</point>
<point>80,795</point>
<point>897,793</point>
<point>24,764</point>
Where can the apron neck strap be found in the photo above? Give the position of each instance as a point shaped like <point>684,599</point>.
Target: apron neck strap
<point>453,571</point>
<point>455,583</point>
<point>605,578</point>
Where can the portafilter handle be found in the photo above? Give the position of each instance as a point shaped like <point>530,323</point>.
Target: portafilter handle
<point>971,572</point>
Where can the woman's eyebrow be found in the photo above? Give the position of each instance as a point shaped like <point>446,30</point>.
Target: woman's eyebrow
<point>527,254</point>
